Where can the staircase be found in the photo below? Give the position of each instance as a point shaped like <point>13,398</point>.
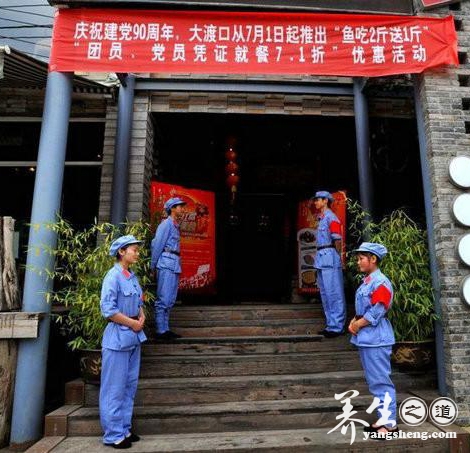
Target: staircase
<point>243,378</point>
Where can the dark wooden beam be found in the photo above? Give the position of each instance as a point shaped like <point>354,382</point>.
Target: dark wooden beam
<point>353,6</point>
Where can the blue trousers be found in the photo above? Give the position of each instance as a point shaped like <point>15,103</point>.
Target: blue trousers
<point>330,283</point>
<point>167,289</point>
<point>119,378</point>
<point>377,368</point>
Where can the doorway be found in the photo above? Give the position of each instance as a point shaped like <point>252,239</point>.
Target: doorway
<point>282,161</point>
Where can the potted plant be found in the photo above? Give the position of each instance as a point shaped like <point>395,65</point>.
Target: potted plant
<point>81,262</point>
<point>407,266</point>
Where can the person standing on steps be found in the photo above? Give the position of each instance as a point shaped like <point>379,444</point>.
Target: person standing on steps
<point>166,262</point>
<point>373,335</point>
<point>122,305</point>
<point>329,267</point>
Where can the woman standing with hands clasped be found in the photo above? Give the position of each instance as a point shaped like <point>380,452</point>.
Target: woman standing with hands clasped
<point>373,335</point>
<point>122,305</point>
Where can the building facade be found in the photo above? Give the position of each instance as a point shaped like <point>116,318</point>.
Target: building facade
<point>441,94</point>
<point>416,124</point>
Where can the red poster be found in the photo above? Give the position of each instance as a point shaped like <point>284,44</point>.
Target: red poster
<point>307,222</point>
<point>197,234</point>
<point>208,42</point>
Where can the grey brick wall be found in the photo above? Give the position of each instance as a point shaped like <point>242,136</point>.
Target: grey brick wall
<point>104,211</point>
<point>276,104</point>
<point>448,134</point>
<point>140,161</point>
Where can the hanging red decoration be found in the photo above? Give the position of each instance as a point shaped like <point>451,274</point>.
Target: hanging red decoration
<point>230,155</point>
<point>233,180</point>
<point>231,167</point>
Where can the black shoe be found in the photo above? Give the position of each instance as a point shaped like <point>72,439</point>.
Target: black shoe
<point>322,332</point>
<point>329,334</point>
<point>133,437</point>
<point>370,429</point>
<point>173,335</point>
<point>163,337</point>
<point>123,445</point>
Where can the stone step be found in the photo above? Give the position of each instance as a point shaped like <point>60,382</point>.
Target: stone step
<point>272,441</point>
<point>179,391</point>
<point>245,328</point>
<point>247,345</point>
<point>252,364</point>
<point>243,322</point>
<point>234,416</point>
<point>247,312</point>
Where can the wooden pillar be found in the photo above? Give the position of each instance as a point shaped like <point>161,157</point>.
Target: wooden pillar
<point>9,300</point>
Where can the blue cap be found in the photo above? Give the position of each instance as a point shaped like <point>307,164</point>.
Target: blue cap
<point>323,194</point>
<point>121,242</point>
<point>378,250</point>
<point>172,202</point>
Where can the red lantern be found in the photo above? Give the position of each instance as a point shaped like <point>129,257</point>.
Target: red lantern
<point>231,155</point>
<point>233,180</point>
<point>231,168</point>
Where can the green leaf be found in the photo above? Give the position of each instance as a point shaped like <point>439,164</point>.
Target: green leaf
<point>406,265</point>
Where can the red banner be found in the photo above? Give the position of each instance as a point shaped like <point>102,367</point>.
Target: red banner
<point>307,223</point>
<point>197,234</point>
<point>249,43</point>
<point>436,3</point>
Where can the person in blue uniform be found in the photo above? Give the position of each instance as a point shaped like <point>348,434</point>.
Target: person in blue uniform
<point>166,262</point>
<point>329,267</point>
<point>122,305</point>
<point>373,335</point>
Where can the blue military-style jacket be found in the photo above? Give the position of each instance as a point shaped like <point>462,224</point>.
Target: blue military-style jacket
<point>373,300</point>
<point>121,293</point>
<point>329,229</point>
<point>166,247</point>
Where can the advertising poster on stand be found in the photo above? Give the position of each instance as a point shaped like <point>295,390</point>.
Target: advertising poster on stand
<point>197,229</point>
<point>307,222</point>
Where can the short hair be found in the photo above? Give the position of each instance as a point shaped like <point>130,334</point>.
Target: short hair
<point>369,255</point>
<point>118,256</point>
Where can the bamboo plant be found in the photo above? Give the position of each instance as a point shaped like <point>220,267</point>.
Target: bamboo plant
<point>406,265</point>
<point>81,262</point>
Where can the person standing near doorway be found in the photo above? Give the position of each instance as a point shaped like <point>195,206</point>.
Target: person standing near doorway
<point>166,262</point>
<point>122,305</point>
<point>329,267</point>
<point>373,335</point>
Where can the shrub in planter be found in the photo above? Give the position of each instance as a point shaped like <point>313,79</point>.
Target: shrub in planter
<point>81,262</point>
<point>407,266</point>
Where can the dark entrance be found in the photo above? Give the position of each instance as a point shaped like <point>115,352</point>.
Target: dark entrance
<point>19,142</point>
<point>282,159</point>
<point>256,240</point>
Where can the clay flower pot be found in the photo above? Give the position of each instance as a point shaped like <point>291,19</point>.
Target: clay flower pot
<point>90,365</point>
<point>414,355</point>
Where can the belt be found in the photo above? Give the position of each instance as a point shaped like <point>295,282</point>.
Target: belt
<point>173,252</point>
<point>321,247</point>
